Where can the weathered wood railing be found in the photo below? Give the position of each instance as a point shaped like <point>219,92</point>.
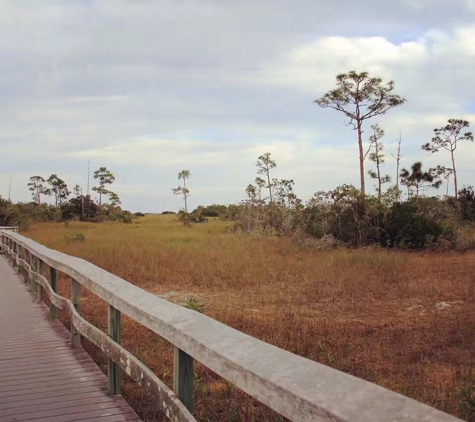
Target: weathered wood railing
<point>295,387</point>
<point>10,228</point>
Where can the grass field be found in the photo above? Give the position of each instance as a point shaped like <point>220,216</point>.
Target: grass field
<point>405,321</point>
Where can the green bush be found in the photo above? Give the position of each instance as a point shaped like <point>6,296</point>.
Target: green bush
<point>466,202</point>
<point>418,223</point>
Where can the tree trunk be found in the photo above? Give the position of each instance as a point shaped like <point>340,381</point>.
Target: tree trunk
<point>455,175</point>
<point>185,195</point>
<point>398,159</point>
<point>397,179</point>
<point>270,187</point>
<point>360,146</point>
<point>379,176</point>
<point>100,198</point>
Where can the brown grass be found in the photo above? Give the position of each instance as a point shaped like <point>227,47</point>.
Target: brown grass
<point>404,321</point>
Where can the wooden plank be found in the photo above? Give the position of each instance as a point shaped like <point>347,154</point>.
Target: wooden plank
<point>73,409</point>
<point>94,385</point>
<point>46,338</point>
<point>46,394</point>
<point>22,379</point>
<point>119,412</point>
<point>58,405</point>
<point>39,358</point>
<point>51,401</point>
<point>47,369</point>
<point>114,372</point>
<point>52,379</point>
<point>61,361</point>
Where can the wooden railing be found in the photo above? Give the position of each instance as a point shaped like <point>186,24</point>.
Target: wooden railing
<point>295,387</point>
<point>10,228</point>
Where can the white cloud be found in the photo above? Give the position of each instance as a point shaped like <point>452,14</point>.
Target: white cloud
<point>149,88</point>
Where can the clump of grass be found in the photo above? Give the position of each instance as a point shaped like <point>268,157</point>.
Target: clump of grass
<point>195,305</point>
<point>76,237</point>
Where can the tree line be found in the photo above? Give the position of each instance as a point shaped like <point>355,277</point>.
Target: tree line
<point>350,215</point>
<point>64,207</point>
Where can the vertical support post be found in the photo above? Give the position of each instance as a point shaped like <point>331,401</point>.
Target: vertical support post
<point>18,266</point>
<point>26,259</point>
<point>75,299</point>
<point>39,287</point>
<point>33,269</point>
<point>114,373</point>
<point>183,378</point>
<point>53,311</point>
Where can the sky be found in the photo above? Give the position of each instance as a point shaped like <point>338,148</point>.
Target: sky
<point>149,88</point>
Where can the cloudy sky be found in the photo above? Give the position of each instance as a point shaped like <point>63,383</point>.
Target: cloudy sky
<point>149,88</point>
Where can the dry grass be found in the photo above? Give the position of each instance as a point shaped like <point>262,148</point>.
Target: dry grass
<point>404,321</point>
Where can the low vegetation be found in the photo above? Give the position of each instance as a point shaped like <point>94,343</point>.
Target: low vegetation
<point>400,319</point>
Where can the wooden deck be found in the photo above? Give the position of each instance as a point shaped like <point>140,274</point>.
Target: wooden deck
<point>42,378</point>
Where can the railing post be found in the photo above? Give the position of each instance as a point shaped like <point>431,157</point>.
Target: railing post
<point>26,276</point>
<point>33,269</point>
<point>183,378</point>
<point>75,299</point>
<point>53,311</point>
<point>39,287</point>
<point>18,266</point>
<point>114,373</point>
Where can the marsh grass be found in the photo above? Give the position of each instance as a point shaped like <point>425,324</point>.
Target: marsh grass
<point>403,321</point>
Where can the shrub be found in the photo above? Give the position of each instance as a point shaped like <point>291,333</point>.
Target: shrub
<point>418,223</point>
<point>466,201</point>
<point>187,218</point>
<point>214,210</point>
<point>77,237</point>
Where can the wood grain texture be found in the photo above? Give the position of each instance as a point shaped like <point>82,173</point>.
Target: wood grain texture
<point>41,377</point>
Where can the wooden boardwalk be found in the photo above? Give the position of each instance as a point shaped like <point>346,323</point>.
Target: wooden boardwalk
<point>42,378</point>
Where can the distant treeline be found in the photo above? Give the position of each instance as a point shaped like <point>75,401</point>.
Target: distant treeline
<point>80,207</point>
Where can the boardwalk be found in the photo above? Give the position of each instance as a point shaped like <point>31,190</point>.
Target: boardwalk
<point>41,377</point>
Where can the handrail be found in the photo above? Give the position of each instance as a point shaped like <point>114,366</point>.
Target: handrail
<point>295,387</point>
<point>12,228</point>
